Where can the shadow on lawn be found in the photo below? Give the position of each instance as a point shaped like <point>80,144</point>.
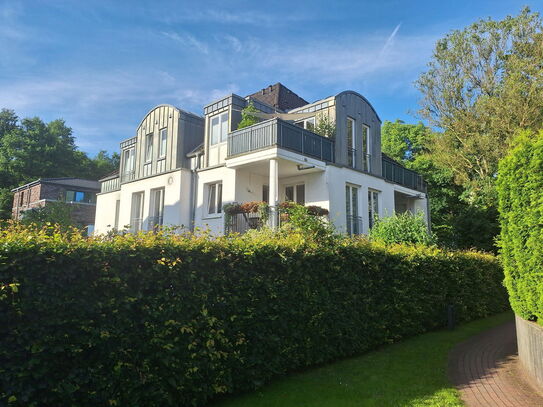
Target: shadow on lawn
<point>410,373</point>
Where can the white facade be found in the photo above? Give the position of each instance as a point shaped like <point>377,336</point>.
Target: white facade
<point>271,161</point>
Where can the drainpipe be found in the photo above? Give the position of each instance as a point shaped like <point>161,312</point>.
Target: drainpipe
<point>194,192</point>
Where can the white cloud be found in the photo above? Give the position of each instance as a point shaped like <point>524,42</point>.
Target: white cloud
<point>188,40</point>
<point>261,19</point>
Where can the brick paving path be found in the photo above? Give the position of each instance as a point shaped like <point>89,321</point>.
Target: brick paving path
<point>486,370</point>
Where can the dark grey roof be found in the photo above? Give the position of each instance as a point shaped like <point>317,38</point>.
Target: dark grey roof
<point>280,97</point>
<point>65,181</point>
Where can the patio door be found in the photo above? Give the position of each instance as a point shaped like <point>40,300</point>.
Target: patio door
<point>354,225</point>
<point>295,193</point>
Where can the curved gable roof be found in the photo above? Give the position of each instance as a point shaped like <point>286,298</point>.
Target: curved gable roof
<point>345,92</point>
<point>168,105</point>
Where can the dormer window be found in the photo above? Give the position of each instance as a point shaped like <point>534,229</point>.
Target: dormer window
<point>148,147</point>
<point>219,128</point>
<point>163,143</point>
<point>308,124</point>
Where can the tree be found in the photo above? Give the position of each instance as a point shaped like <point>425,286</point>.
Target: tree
<point>54,213</point>
<point>248,119</point>
<point>325,127</point>
<point>483,84</point>
<point>31,149</point>
<point>455,222</point>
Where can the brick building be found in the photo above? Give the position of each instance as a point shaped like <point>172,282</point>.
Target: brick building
<point>77,192</point>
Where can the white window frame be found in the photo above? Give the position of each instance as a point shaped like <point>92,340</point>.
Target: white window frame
<point>295,192</point>
<point>373,206</point>
<point>156,206</point>
<point>353,141</point>
<point>214,199</point>
<point>148,148</point>
<point>163,142</point>
<point>129,159</point>
<point>352,202</point>
<point>137,213</point>
<point>304,123</point>
<point>367,153</point>
<point>223,123</point>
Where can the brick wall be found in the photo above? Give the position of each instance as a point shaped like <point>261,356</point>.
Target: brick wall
<point>38,196</point>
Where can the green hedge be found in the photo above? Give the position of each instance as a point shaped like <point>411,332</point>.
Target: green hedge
<point>175,321</point>
<point>520,191</point>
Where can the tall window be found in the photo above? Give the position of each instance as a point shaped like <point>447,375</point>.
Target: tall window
<point>354,223</point>
<point>308,123</point>
<point>219,128</point>
<point>129,159</point>
<point>351,155</point>
<point>117,212</point>
<point>295,193</point>
<point>214,198</point>
<point>163,143</point>
<point>373,206</point>
<point>265,193</point>
<point>136,213</point>
<point>156,208</point>
<point>366,148</point>
<point>148,147</point>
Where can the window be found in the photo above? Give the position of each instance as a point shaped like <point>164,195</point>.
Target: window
<point>366,148</point>
<point>148,147</point>
<point>214,198</point>
<point>136,213</point>
<point>373,206</point>
<point>21,198</point>
<point>308,124</point>
<point>351,156</point>
<point>265,193</point>
<point>80,196</point>
<point>129,159</point>
<point>295,193</point>
<point>354,222</point>
<point>156,208</point>
<point>117,211</point>
<point>163,143</point>
<point>219,128</point>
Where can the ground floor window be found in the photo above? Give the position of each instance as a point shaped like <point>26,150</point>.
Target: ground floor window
<point>117,211</point>
<point>156,208</point>
<point>295,193</point>
<point>354,222</point>
<point>214,198</point>
<point>373,206</point>
<point>136,213</point>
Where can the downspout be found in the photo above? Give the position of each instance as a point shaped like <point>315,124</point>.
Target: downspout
<point>193,192</point>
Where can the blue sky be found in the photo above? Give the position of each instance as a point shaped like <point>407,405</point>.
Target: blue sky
<point>101,65</point>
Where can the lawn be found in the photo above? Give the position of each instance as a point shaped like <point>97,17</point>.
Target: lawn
<point>410,373</point>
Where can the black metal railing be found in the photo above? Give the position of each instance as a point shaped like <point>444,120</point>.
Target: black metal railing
<point>351,157</point>
<point>242,222</point>
<point>277,132</point>
<point>392,171</point>
<point>354,225</point>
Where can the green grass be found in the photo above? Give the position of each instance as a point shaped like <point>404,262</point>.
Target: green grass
<point>410,373</point>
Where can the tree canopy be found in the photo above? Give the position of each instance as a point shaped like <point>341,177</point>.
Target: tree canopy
<point>483,84</point>
<point>31,149</point>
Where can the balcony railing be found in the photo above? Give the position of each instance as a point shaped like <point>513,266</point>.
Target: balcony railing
<point>109,185</point>
<point>136,224</point>
<point>242,222</point>
<point>128,176</point>
<point>155,222</point>
<point>277,132</point>
<point>392,171</point>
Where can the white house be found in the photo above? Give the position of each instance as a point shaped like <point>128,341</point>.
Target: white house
<point>180,168</point>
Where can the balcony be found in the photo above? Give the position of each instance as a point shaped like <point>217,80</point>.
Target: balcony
<point>394,172</point>
<point>279,133</point>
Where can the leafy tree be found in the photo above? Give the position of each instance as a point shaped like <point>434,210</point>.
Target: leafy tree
<point>31,149</point>
<point>325,127</point>
<point>483,84</point>
<point>58,213</point>
<point>455,222</point>
<point>248,119</point>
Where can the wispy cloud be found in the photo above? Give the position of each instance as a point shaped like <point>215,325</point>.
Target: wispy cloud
<point>224,16</point>
<point>188,40</point>
<point>390,40</point>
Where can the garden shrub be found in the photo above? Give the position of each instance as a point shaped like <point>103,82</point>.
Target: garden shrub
<point>162,320</point>
<point>520,201</point>
<point>402,228</point>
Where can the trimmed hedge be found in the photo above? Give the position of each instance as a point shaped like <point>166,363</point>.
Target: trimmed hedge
<point>520,191</point>
<point>153,320</point>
